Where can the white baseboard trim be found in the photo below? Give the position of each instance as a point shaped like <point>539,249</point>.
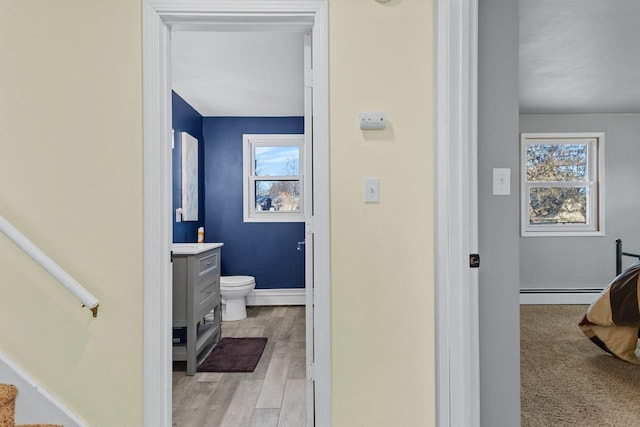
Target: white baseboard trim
<point>34,404</point>
<point>558,296</point>
<point>295,296</point>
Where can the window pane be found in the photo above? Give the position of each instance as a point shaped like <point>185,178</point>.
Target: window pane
<point>277,161</point>
<point>557,162</point>
<point>558,205</point>
<point>278,196</point>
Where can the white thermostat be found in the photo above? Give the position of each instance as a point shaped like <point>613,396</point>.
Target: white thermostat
<point>375,120</point>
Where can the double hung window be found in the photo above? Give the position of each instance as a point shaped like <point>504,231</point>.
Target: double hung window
<point>562,184</point>
<point>273,174</point>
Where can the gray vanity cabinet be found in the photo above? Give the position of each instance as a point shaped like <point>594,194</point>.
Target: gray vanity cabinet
<point>196,291</point>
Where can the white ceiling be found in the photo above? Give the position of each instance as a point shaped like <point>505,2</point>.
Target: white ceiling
<point>580,56</point>
<point>576,56</point>
<point>239,73</point>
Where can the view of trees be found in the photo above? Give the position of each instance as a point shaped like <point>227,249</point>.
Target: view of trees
<point>278,194</point>
<point>564,170</point>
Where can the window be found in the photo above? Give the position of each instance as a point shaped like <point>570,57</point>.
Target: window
<point>562,184</point>
<point>273,178</point>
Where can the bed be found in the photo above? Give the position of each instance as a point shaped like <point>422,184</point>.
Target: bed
<point>612,321</point>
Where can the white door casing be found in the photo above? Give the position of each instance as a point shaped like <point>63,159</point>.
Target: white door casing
<point>457,332</point>
<point>159,19</point>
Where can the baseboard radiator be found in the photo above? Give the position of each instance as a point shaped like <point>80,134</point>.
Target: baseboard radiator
<point>532,296</point>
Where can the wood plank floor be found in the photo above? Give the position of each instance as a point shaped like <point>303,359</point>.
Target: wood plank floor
<point>274,395</point>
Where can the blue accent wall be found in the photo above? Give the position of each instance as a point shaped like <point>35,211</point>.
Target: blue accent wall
<point>266,251</point>
<point>186,119</point>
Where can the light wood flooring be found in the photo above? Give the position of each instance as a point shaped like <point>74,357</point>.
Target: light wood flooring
<point>273,395</point>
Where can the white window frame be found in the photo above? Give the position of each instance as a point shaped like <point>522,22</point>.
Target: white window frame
<point>594,184</point>
<point>249,141</point>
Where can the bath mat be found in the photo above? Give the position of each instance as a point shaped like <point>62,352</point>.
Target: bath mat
<point>234,355</point>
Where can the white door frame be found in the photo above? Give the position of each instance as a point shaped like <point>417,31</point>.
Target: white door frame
<point>308,227</point>
<point>158,16</point>
<point>457,332</point>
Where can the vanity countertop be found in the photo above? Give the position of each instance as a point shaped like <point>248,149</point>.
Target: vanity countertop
<point>193,248</point>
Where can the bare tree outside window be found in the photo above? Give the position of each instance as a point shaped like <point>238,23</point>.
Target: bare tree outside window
<point>551,163</point>
<point>275,175</point>
<point>279,195</point>
<point>562,179</point>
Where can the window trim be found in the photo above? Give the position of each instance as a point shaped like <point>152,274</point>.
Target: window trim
<point>249,212</point>
<point>594,184</point>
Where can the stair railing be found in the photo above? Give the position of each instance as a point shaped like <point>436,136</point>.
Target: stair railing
<point>50,266</point>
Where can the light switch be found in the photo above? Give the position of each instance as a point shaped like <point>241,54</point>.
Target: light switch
<point>501,181</point>
<point>372,190</point>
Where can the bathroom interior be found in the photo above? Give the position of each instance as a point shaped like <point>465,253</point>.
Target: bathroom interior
<point>226,85</point>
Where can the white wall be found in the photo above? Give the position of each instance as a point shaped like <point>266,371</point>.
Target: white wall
<point>71,180</point>
<point>589,262</point>
<point>382,294</point>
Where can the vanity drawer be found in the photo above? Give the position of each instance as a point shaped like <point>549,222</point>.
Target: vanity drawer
<point>207,297</point>
<point>207,266</point>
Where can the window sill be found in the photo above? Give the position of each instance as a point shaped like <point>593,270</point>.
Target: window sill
<point>275,217</point>
<point>562,233</point>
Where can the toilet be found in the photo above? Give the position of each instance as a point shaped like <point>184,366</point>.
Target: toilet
<point>233,289</point>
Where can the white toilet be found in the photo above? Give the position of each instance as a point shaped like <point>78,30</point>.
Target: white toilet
<point>233,289</point>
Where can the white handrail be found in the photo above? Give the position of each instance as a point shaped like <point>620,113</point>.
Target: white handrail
<point>49,265</point>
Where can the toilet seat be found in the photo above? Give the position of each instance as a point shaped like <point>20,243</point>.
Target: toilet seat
<point>234,281</point>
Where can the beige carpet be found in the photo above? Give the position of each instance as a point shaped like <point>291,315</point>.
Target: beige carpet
<point>566,380</point>
<point>8,395</point>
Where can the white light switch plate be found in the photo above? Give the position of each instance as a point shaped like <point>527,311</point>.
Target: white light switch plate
<point>372,190</point>
<point>501,181</point>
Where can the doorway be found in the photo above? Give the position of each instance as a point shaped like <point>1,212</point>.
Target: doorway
<point>243,94</point>
<point>159,22</point>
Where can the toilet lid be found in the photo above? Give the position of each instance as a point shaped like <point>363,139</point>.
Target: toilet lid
<point>236,280</point>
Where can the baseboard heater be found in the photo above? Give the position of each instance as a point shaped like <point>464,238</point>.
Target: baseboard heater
<point>531,296</point>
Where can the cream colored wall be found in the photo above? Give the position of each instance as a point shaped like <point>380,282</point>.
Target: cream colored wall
<point>71,180</point>
<point>382,292</point>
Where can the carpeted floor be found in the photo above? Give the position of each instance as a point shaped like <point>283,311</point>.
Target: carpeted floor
<point>566,380</point>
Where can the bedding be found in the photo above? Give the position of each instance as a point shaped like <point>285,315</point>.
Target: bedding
<point>612,321</point>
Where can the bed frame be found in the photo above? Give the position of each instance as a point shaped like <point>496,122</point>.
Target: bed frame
<point>620,254</point>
